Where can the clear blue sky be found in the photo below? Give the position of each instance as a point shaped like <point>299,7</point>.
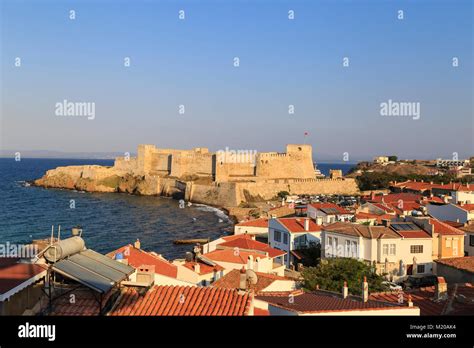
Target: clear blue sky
<point>282,62</point>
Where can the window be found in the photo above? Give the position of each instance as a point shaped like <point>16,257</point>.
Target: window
<point>448,242</point>
<point>385,249</point>
<point>354,248</point>
<point>416,249</point>
<point>420,269</point>
<point>347,249</point>
<point>471,240</point>
<point>285,238</point>
<point>277,236</point>
<point>329,246</point>
<point>393,249</point>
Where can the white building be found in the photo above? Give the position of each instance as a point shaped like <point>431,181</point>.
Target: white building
<point>288,234</point>
<point>451,163</point>
<point>468,239</point>
<point>253,227</point>
<point>398,250</point>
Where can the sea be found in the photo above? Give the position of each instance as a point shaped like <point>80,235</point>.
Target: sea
<point>108,220</point>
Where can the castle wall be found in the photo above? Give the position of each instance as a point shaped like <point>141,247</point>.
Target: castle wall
<point>200,164</point>
<point>297,162</point>
<point>233,193</point>
<point>161,162</point>
<point>268,189</point>
<point>126,165</point>
<point>234,171</point>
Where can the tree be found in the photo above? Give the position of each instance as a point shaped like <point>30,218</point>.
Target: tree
<point>311,254</point>
<point>392,158</point>
<point>283,194</point>
<point>330,275</point>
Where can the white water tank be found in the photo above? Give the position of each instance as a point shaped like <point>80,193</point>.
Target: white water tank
<point>64,248</point>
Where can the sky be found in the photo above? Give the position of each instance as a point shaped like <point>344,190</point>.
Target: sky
<point>283,62</point>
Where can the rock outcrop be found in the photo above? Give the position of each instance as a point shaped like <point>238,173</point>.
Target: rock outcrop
<point>93,178</point>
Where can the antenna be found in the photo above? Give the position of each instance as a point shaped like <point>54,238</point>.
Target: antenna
<point>52,235</point>
<point>59,233</point>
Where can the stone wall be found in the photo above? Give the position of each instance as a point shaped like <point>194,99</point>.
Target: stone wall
<point>234,171</point>
<point>129,165</point>
<point>233,193</point>
<point>189,164</point>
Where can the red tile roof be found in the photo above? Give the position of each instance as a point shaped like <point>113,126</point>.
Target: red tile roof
<point>444,228</point>
<point>423,186</point>
<point>395,197</point>
<point>296,225</point>
<point>358,230</point>
<point>203,267</point>
<point>254,223</point>
<point>328,205</point>
<point>250,244</point>
<point>232,280</point>
<point>183,301</point>
<point>467,207</point>
<point>14,274</point>
<point>260,312</point>
<point>85,304</point>
<point>232,256</point>
<point>237,236</point>
<point>424,298</point>
<point>414,185</point>
<point>406,206</point>
<point>414,234</point>
<point>465,263</point>
<point>137,257</point>
<point>369,216</point>
<point>383,207</point>
<point>321,301</point>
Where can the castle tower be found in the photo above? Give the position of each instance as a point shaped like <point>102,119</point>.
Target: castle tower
<point>144,158</point>
<point>296,163</point>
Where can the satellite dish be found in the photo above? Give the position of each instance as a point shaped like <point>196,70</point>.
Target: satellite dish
<point>252,277</point>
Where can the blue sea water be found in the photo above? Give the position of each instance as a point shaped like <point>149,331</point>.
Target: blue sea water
<point>109,220</point>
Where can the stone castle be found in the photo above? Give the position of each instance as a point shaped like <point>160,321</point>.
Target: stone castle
<point>225,178</point>
<point>222,166</point>
<point>228,178</point>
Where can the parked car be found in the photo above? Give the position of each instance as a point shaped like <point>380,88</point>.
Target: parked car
<point>392,286</point>
<point>418,281</point>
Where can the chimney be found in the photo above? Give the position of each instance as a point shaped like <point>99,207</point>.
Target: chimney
<point>137,244</point>
<point>365,290</point>
<point>319,220</point>
<point>317,286</point>
<point>306,224</point>
<point>250,262</point>
<point>146,274</point>
<point>410,302</point>
<point>197,267</point>
<point>345,290</point>
<point>372,194</point>
<point>441,289</point>
<point>243,279</point>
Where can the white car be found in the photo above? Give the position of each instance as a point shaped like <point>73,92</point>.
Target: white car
<point>392,286</point>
